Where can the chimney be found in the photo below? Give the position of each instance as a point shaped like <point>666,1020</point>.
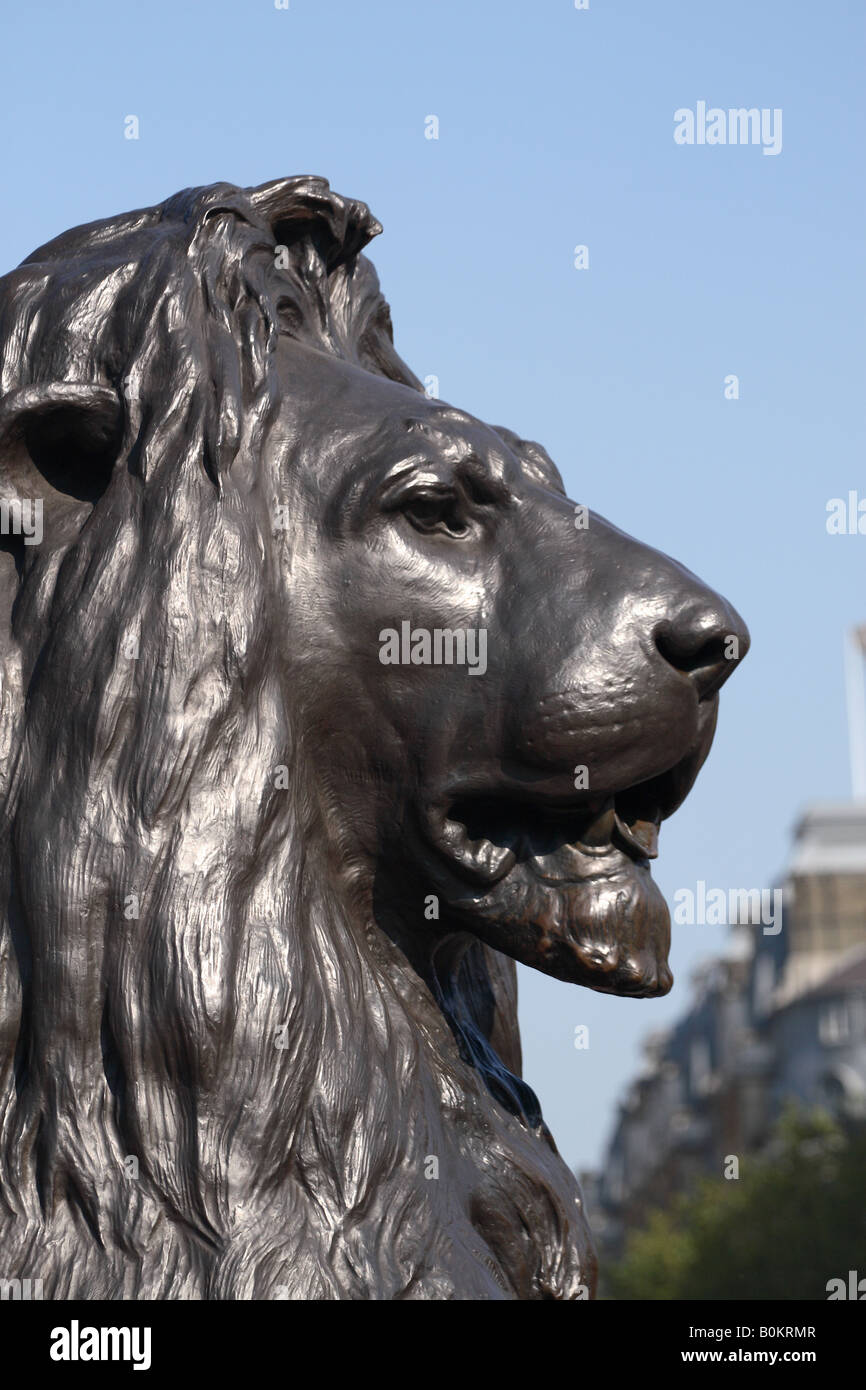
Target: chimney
<point>855,688</point>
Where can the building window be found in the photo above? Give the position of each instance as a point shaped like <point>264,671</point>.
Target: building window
<point>700,1066</point>
<point>834,1023</point>
<point>762,986</point>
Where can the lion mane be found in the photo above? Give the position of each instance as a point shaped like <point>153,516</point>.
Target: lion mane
<point>215,1081</point>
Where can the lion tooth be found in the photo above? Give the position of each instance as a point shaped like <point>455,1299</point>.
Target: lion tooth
<point>641,835</point>
<point>482,856</point>
<point>498,859</point>
<point>599,832</point>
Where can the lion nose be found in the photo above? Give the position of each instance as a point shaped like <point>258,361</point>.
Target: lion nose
<point>705,639</point>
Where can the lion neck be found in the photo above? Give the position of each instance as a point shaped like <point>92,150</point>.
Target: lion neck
<point>251,1089</point>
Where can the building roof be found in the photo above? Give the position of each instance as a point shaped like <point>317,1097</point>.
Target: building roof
<point>830,838</point>
<point>831,975</point>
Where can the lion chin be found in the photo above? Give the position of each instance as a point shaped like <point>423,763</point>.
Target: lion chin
<point>597,921</point>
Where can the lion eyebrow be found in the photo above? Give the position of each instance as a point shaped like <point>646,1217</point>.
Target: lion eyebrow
<point>406,468</point>
<point>481,482</point>
<point>469,470</point>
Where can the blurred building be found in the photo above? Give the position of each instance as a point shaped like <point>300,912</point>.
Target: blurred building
<point>812,996</point>
<point>780,1017</point>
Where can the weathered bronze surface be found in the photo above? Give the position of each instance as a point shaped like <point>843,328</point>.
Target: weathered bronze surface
<point>268,856</point>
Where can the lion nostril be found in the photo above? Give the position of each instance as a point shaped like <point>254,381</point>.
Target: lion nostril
<point>705,645</point>
<point>690,656</point>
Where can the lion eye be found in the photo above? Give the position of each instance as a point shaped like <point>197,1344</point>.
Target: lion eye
<point>432,512</point>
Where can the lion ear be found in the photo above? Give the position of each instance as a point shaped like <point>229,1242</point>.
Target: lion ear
<point>58,445</point>
<point>305,209</point>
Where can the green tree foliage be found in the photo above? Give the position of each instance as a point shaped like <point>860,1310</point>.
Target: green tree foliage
<point>794,1219</point>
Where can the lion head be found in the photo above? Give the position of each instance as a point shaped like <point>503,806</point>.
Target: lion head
<point>321,705</point>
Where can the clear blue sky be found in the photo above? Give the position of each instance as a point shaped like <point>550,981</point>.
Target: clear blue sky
<point>556,128</point>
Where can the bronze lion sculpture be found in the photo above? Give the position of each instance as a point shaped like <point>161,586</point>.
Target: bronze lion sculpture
<point>321,705</point>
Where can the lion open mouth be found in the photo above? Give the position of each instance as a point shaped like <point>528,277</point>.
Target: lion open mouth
<point>487,836</point>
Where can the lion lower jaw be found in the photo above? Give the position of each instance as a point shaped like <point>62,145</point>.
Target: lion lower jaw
<point>598,921</point>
